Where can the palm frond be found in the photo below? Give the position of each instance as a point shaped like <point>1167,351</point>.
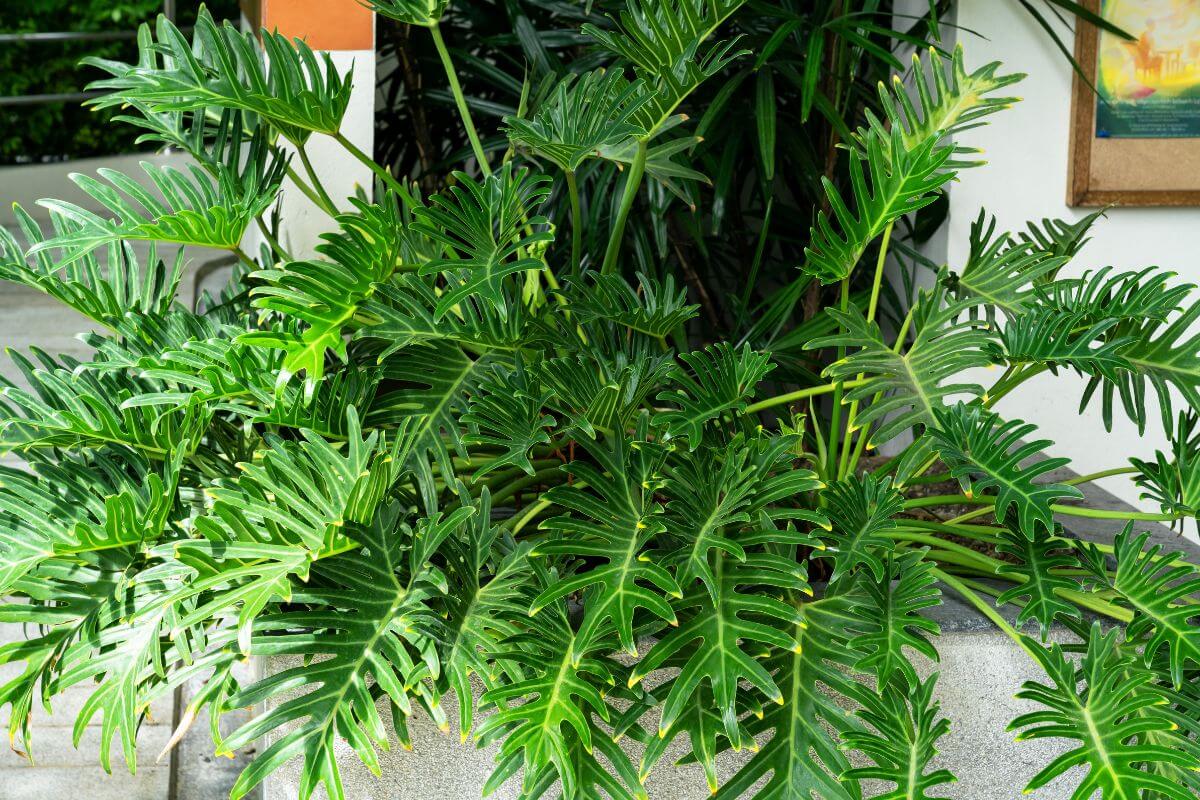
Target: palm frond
<point>483,610</point>
<point>654,308</point>
<point>719,379</point>
<point>368,613</point>
<point>666,44</point>
<point>1165,356</point>
<point>1174,481</point>
<point>897,166</point>
<point>490,230</point>
<point>69,407</point>
<point>580,117</point>
<point>714,499</point>
<point>562,699</point>
<point>431,390</point>
<point>802,757</point>
<point>1056,340</point>
<point>902,741</point>
<point>401,313</point>
<point>1157,587</point>
<point>325,295</point>
<point>889,181</point>
<point>104,500</point>
<point>861,511</point>
<point>194,209</point>
<point>103,290</point>
<point>1000,273</point>
<point>891,620</point>
<point>1041,564</point>
<point>505,411</point>
<point>613,521</point>
<point>596,394</point>
<point>717,642</point>
<point>1126,296</point>
<point>951,100</point>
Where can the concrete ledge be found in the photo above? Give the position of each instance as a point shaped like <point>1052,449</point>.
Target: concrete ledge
<point>980,671</point>
<point>979,674</point>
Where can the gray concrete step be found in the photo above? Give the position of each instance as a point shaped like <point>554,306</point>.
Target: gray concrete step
<point>30,318</point>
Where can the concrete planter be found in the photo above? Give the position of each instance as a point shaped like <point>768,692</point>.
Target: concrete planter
<point>980,671</point>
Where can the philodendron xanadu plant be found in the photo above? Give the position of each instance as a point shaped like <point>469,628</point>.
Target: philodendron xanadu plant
<point>456,448</point>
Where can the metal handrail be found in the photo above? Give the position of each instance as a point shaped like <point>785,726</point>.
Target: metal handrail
<point>69,36</point>
<point>66,36</point>
<point>44,99</point>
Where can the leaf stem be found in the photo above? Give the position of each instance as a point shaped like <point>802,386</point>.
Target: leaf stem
<point>988,534</point>
<point>848,441</point>
<point>1099,513</point>
<point>801,394</point>
<point>326,204</point>
<point>576,223</point>
<point>547,475</point>
<point>519,521</point>
<point>758,255</point>
<point>1071,511</point>
<point>369,162</point>
<point>272,241</point>
<point>1095,476</point>
<point>459,100</point>
<point>934,500</point>
<point>835,422</point>
<point>902,334</point>
<point>303,186</point>
<point>986,563</point>
<point>245,259</point>
<point>983,607</point>
<point>632,181</point>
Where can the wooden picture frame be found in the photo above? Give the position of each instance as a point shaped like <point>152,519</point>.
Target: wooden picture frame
<point>1122,171</point>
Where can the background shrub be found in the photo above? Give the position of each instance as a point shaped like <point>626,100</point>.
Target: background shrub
<point>58,131</point>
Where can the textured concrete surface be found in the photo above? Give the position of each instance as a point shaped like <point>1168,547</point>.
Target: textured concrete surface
<point>198,773</point>
<point>980,672</point>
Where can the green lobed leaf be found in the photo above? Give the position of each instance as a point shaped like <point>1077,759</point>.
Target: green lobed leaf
<point>985,452</point>
<point>1101,721</point>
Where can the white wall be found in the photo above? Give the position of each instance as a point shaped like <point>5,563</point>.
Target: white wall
<point>340,173</point>
<point>1026,178</point>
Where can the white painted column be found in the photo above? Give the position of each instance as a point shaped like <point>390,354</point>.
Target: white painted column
<point>346,30</point>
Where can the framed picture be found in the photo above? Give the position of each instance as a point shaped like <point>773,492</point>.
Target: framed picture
<point>1135,130</point>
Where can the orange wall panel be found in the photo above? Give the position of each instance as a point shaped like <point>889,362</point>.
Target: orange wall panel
<point>324,24</point>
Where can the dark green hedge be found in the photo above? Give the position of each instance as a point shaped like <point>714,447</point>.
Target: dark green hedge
<point>67,130</point>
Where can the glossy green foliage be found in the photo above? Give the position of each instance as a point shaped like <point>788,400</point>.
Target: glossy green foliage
<point>452,468</point>
<point>897,167</point>
<point>913,383</point>
<point>1109,721</point>
<point>281,80</point>
<point>974,442</point>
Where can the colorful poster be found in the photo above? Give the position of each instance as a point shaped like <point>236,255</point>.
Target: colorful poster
<point>1149,86</point>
